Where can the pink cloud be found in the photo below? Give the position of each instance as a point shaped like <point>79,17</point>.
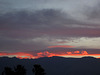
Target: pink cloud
<point>61,46</point>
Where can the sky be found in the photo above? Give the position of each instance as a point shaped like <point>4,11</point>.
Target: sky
<point>39,28</point>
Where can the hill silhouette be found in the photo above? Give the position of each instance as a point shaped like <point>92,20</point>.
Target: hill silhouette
<point>56,65</point>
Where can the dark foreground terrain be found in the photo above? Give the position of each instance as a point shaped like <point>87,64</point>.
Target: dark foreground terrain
<point>56,65</point>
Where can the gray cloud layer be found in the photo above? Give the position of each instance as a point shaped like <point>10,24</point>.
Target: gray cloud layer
<point>22,22</point>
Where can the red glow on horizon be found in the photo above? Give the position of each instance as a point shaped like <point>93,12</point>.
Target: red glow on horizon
<point>22,55</point>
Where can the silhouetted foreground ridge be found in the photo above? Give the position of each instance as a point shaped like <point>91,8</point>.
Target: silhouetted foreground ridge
<point>51,66</point>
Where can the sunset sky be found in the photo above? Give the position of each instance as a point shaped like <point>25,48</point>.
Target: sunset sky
<point>41,28</point>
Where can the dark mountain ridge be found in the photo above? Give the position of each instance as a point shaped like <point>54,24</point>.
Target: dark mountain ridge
<point>56,65</point>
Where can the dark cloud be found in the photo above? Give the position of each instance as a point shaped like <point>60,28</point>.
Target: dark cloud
<point>16,45</point>
<point>41,18</point>
<point>24,24</point>
<point>29,23</point>
<point>93,12</point>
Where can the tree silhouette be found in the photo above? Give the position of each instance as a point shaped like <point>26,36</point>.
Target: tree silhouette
<point>7,71</point>
<point>20,70</point>
<point>38,70</point>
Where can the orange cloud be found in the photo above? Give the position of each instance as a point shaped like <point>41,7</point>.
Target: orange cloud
<point>76,51</point>
<point>84,52</point>
<point>46,54</point>
<point>61,46</point>
<point>69,52</point>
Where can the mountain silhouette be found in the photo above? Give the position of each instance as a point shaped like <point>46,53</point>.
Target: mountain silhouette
<point>56,65</point>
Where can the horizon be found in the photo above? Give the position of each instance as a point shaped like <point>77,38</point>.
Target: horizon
<point>51,57</point>
<point>67,54</point>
